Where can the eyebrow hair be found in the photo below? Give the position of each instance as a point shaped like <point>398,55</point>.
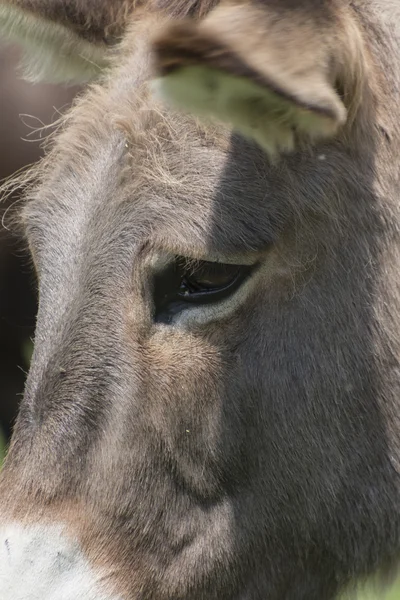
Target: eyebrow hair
<point>202,252</point>
<point>184,8</point>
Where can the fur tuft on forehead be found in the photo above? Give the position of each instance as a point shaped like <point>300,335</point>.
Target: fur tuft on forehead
<point>185,8</point>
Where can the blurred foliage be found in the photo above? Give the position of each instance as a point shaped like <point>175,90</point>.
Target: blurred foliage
<point>392,594</point>
<point>27,350</point>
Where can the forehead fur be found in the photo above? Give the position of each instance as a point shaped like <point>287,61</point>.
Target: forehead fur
<point>172,168</point>
<point>170,156</point>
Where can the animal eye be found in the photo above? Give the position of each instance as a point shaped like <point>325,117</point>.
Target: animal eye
<point>207,277</point>
<point>194,282</point>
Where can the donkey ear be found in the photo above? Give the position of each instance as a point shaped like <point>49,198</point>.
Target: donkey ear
<point>270,70</point>
<point>64,40</point>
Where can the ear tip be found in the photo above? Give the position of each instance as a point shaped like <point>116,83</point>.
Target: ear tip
<point>329,109</point>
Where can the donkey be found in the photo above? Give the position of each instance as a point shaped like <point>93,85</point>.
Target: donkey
<point>212,410</point>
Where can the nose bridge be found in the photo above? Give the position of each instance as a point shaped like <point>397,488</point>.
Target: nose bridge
<point>74,380</point>
<point>81,322</point>
<point>83,349</point>
<point>84,326</point>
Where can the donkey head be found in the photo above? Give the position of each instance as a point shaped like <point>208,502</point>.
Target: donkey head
<point>212,407</point>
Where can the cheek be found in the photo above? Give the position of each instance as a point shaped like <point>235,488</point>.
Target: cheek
<point>185,380</point>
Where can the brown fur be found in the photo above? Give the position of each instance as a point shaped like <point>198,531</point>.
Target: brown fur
<point>247,456</point>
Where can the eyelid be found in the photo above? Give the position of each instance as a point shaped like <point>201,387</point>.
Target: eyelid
<point>159,262</point>
<point>161,255</point>
<point>193,266</point>
<point>169,299</point>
